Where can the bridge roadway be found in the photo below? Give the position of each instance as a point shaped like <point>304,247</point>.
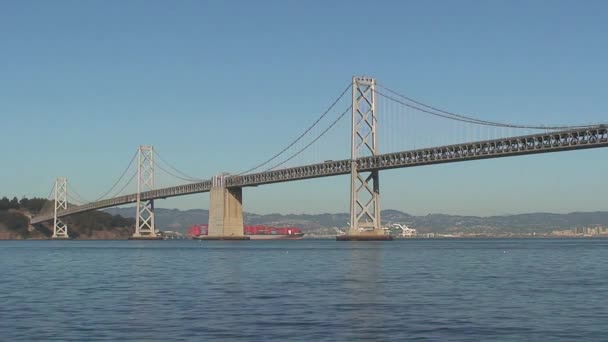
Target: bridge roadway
<point>566,140</point>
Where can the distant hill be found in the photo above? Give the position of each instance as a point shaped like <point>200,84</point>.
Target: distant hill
<point>173,219</point>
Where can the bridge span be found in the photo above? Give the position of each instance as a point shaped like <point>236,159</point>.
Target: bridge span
<point>226,190</point>
<point>568,140</point>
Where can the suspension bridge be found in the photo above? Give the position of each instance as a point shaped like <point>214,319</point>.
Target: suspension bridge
<point>379,117</point>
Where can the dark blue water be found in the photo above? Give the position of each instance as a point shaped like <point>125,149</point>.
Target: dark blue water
<point>438,290</point>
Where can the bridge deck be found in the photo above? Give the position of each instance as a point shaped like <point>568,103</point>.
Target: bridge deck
<point>566,140</point>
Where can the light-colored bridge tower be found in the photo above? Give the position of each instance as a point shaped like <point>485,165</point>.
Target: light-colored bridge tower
<point>225,211</point>
<point>144,219</point>
<point>364,187</point>
<point>60,229</point>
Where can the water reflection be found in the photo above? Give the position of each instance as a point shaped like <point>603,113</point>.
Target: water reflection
<point>220,288</point>
<point>365,291</point>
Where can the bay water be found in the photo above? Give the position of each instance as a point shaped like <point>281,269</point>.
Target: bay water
<point>305,290</point>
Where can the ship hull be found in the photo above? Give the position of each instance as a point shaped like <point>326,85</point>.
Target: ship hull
<point>250,233</point>
<point>275,236</point>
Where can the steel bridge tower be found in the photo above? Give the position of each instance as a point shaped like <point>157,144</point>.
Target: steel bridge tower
<point>364,187</point>
<point>60,229</point>
<point>144,217</point>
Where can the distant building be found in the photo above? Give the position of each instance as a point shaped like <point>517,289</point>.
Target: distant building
<point>405,230</point>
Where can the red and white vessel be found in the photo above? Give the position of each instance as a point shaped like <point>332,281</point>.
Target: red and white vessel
<point>259,232</point>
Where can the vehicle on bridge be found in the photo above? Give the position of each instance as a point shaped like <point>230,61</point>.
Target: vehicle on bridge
<point>257,232</point>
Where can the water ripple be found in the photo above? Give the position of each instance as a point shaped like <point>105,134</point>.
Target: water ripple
<point>431,290</point>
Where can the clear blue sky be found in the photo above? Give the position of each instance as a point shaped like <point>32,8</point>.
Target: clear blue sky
<point>220,85</point>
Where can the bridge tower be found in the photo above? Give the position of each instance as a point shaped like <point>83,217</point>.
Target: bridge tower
<point>144,217</point>
<point>60,229</point>
<point>364,187</point>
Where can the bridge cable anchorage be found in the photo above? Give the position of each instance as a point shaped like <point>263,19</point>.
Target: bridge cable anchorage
<point>301,135</point>
<point>187,177</point>
<point>313,141</point>
<point>119,179</point>
<point>468,119</point>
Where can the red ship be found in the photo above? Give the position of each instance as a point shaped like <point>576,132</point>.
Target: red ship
<point>254,232</point>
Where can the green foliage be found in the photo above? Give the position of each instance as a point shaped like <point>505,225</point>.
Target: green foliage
<point>24,202</point>
<point>4,203</point>
<point>89,222</point>
<point>33,205</point>
<point>119,221</point>
<point>15,221</point>
<point>79,224</point>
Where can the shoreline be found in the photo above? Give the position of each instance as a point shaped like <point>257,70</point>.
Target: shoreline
<point>333,237</point>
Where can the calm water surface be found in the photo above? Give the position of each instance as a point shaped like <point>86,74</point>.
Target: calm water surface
<point>437,290</point>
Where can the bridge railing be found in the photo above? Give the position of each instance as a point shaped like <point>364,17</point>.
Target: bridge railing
<point>179,190</point>
<point>329,168</point>
<point>530,144</point>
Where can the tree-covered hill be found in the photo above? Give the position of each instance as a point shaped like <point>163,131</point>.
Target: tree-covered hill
<point>15,217</point>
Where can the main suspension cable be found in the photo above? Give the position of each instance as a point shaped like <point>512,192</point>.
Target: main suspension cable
<point>50,196</point>
<point>313,141</point>
<point>125,186</point>
<point>186,176</point>
<point>75,200</point>
<point>119,179</point>
<point>174,175</point>
<point>463,118</point>
<point>301,135</point>
<point>47,203</point>
<point>80,197</point>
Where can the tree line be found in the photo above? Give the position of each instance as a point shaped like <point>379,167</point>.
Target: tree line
<point>33,205</point>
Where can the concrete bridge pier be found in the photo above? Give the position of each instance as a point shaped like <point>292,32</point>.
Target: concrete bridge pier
<point>225,212</point>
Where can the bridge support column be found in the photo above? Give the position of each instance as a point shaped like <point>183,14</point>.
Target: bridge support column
<point>225,212</point>
<point>60,229</point>
<point>144,216</point>
<point>364,188</point>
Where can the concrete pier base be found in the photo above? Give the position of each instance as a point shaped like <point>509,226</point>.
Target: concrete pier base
<point>225,212</point>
